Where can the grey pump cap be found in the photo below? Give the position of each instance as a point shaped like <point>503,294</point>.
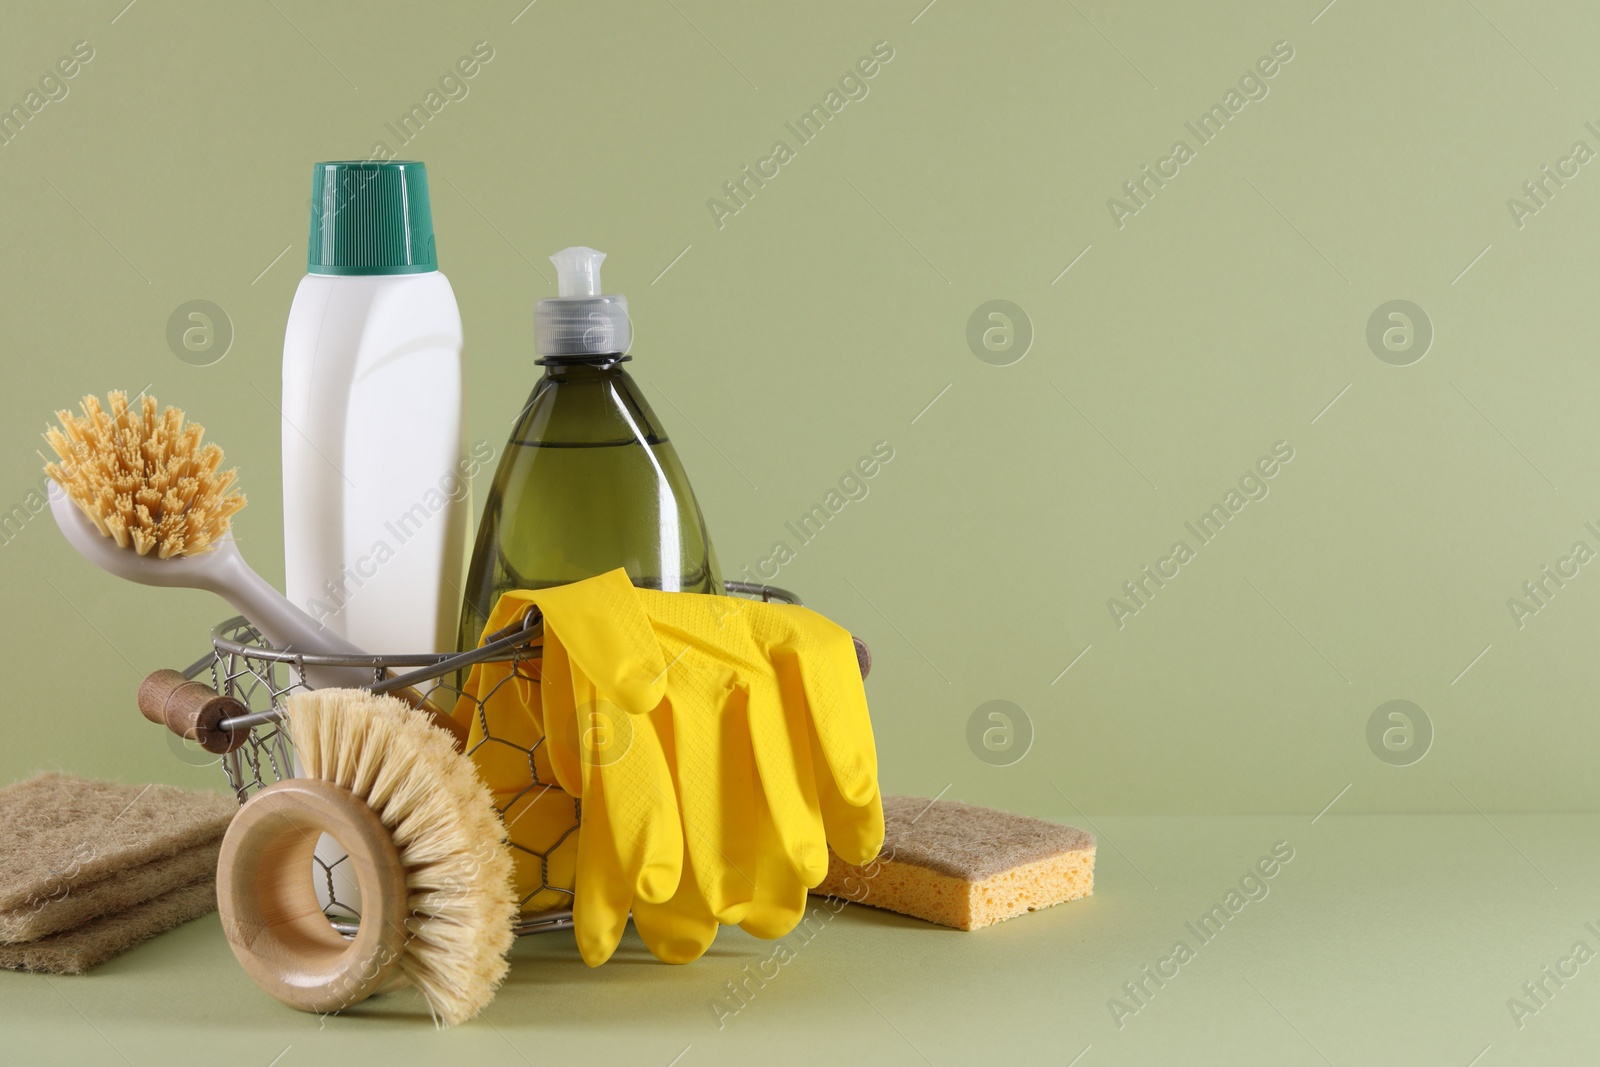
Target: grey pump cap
<point>581,321</point>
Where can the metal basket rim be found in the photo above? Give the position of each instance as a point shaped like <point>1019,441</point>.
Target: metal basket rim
<point>221,642</point>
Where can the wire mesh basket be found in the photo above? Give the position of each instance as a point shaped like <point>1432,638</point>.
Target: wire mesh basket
<point>244,666</point>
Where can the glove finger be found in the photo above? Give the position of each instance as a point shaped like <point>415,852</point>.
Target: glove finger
<point>601,898</point>
<point>855,832</point>
<point>560,717</point>
<point>624,751</point>
<point>715,776</point>
<point>608,638</point>
<point>780,896</point>
<point>830,679</point>
<point>680,930</point>
<point>782,745</point>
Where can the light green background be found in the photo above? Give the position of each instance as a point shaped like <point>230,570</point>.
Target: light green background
<point>827,314</point>
<point>831,311</point>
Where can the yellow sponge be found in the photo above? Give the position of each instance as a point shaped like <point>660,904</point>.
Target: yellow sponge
<point>965,866</point>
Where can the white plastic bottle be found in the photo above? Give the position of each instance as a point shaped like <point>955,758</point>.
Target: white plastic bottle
<point>375,479</point>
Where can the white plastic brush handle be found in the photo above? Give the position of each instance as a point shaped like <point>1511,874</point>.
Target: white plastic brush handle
<point>224,572</point>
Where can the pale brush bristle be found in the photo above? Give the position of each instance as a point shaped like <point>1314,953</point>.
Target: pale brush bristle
<point>443,821</point>
<point>144,478</point>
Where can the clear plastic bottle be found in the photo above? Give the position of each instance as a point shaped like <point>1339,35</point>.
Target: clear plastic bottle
<point>589,480</point>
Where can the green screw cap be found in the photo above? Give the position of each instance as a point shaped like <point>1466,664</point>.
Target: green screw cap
<point>370,218</point>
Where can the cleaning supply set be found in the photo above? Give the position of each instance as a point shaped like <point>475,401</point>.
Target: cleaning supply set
<point>625,735</point>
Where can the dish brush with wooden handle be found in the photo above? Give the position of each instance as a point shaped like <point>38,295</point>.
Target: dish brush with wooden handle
<point>426,844</point>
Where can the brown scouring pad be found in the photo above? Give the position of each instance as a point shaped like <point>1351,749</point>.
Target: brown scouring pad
<point>72,849</point>
<point>75,951</point>
<point>965,866</point>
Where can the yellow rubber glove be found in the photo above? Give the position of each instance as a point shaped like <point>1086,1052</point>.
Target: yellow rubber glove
<point>764,726</point>
<point>773,756</point>
<point>600,679</point>
<point>629,847</point>
<point>743,723</point>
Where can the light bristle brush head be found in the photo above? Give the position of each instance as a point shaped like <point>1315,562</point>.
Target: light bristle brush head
<point>444,824</point>
<point>144,477</point>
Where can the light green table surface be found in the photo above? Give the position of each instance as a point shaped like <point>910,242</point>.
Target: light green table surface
<point>1386,940</point>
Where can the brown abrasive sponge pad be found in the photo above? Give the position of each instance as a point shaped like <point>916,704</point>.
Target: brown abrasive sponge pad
<point>72,849</point>
<point>69,906</point>
<point>964,866</point>
<point>77,950</point>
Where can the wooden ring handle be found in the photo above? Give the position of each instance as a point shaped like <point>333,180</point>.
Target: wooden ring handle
<point>269,905</point>
<point>192,710</point>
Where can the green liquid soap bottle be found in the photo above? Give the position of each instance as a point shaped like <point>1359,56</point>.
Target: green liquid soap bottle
<point>589,480</point>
